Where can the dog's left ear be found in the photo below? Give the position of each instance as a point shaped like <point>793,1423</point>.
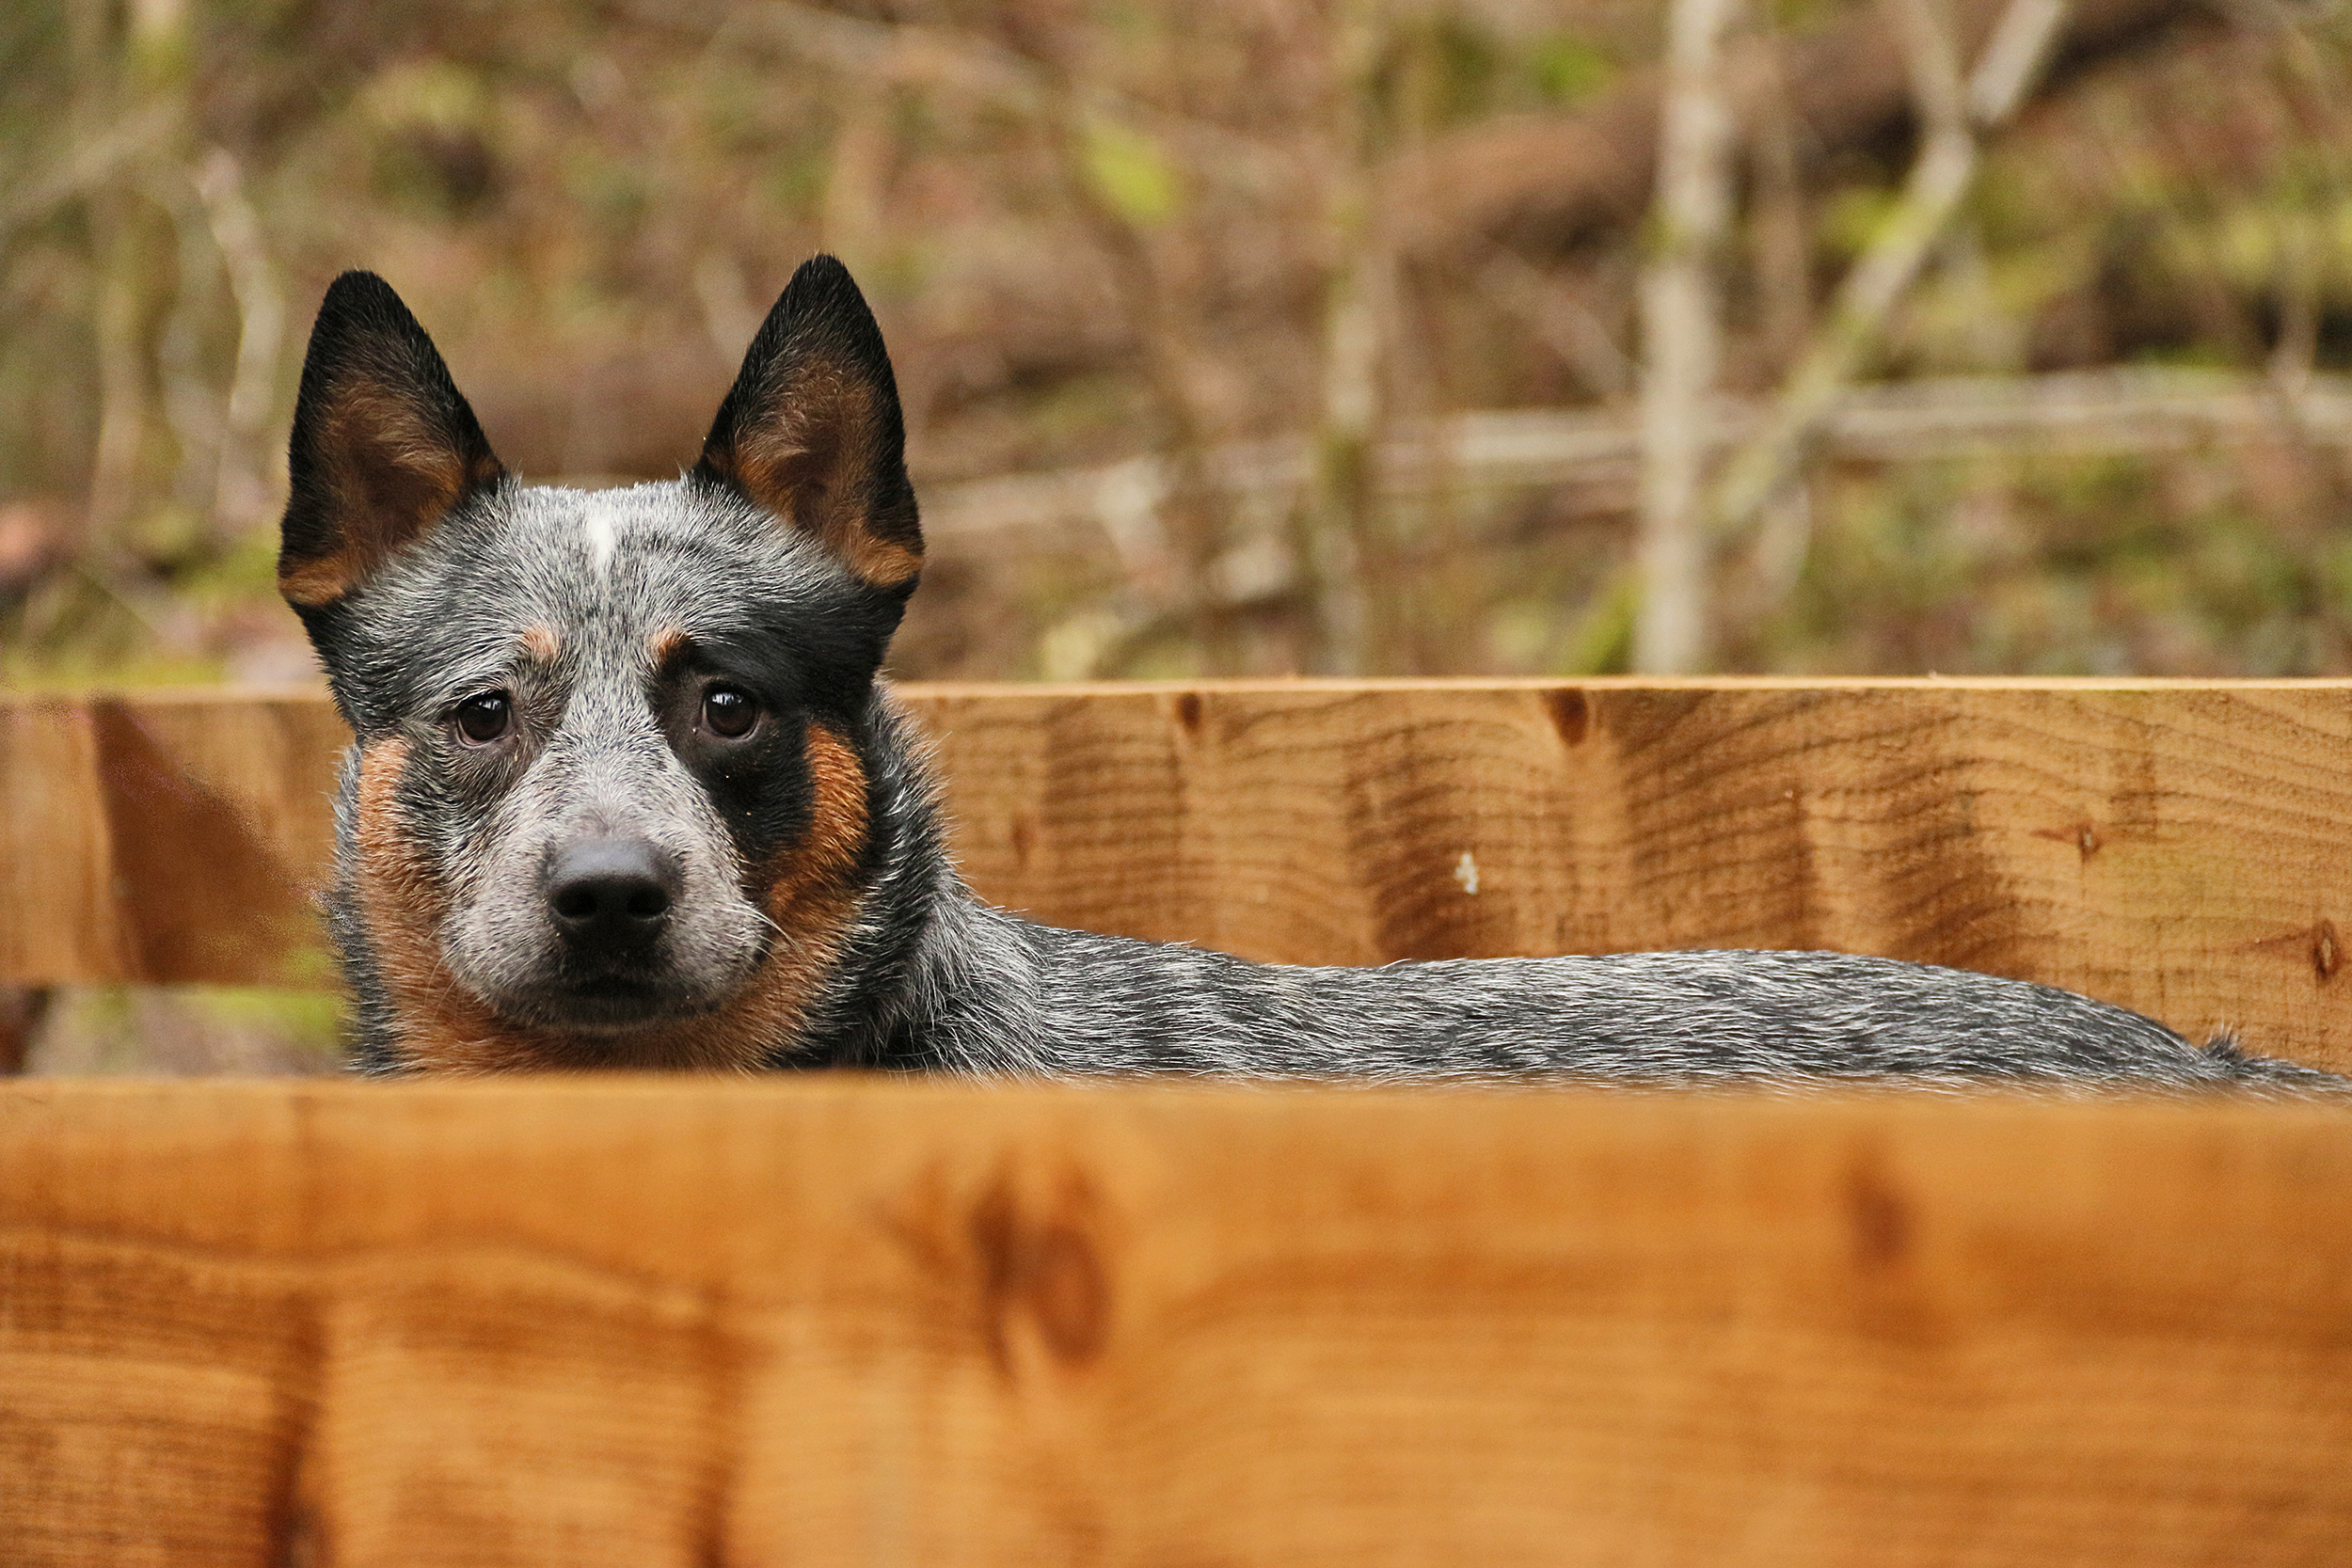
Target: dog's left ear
<point>812,430</point>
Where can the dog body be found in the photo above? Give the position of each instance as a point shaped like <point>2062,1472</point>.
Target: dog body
<point>625,792</point>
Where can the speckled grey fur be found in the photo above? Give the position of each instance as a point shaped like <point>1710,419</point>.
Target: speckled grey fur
<point>938,980</point>
<point>923,976</point>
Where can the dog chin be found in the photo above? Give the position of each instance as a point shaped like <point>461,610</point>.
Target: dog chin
<point>606,1006</point>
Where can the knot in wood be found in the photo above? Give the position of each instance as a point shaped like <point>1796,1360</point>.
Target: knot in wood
<point>1042,1270</point>
<point>1571,713</point>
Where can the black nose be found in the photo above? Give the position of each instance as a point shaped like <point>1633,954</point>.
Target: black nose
<point>610,892</point>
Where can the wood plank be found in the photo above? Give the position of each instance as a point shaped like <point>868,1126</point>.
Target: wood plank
<point>849,1323</point>
<point>170,837</point>
<point>2173,847</point>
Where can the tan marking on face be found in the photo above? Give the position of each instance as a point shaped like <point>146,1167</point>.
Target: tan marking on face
<point>541,644</point>
<point>439,1026</point>
<point>812,897</point>
<point>390,478</point>
<point>665,645</point>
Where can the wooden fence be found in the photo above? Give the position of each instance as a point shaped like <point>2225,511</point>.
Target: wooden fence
<point>830,1321</point>
<point>2181,847</point>
<point>721,1324</point>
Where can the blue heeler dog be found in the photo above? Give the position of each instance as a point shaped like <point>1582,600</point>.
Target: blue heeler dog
<point>626,793</point>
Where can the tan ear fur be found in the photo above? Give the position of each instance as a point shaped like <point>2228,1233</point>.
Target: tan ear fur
<point>384,445</point>
<point>389,480</point>
<point>812,429</point>
<point>813,464</point>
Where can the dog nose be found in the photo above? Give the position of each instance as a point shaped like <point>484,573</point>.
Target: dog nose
<point>610,892</point>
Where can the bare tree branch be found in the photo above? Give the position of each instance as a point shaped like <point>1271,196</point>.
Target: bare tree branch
<point>1939,179</point>
<point>1560,320</point>
<point>1344,497</point>
<point>243,488</point>
<point>1543,182</point>
<point>2135,410</point>
<point>953,60</point>
<point>1681,332</point>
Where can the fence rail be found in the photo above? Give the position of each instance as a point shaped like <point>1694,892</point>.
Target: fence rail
<point>867,1323</point>
<point>2175,847</point>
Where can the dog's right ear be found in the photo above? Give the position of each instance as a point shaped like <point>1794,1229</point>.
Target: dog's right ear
<point>384,445</point>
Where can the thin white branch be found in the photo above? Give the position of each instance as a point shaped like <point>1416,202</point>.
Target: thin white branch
<point>241,489</point>
<point>2014,56</point>
<point>2076,412</point>
<point>1681,329</point>
<point>1939,179</point>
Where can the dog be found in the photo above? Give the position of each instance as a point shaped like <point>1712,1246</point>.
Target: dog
<point>626,792</point>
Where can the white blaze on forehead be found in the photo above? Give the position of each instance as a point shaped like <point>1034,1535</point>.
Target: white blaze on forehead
<point>602,527</point>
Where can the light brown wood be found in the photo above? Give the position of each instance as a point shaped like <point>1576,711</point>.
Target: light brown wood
<point>2174,846</point>
<point>852,1322</point>
<point>164,837</point>
<point>2174,849</point>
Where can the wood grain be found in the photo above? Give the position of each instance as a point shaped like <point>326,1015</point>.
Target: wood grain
<point>854,1323</point>
<point>168,838</point>
<point>2174,846</point>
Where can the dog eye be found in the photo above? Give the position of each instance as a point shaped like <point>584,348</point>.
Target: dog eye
<point>484,719</point>
<point>729,712</point>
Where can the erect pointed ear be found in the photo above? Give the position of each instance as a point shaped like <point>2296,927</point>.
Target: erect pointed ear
<point>812,431</point>
<point>384,445</point>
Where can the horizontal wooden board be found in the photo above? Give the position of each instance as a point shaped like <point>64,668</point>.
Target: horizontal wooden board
<point>2175,847</point>
<point>852,1322</point>
<point>173,837</point>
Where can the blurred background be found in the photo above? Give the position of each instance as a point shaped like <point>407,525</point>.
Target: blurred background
<point>1248,337</point>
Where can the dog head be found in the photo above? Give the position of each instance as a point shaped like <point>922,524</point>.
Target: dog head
<point>609,803</point>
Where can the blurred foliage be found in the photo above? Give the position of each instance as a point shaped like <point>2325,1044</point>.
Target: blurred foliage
<point>1095,231</point>
<point>1566,70</point>
<point>188,1031</point>
<point>2081,567</point>
<point>1131,172</point>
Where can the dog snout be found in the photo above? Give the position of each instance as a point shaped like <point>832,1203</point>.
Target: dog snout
<point>610,895</point>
